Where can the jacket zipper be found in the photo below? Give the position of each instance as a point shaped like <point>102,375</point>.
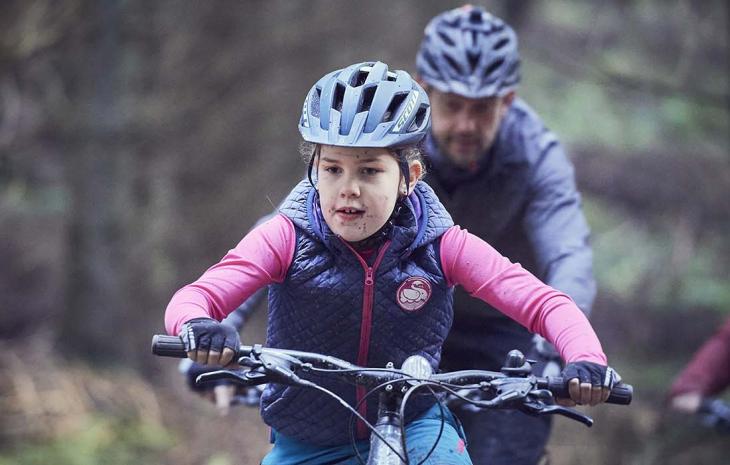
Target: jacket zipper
<point>366,326</point>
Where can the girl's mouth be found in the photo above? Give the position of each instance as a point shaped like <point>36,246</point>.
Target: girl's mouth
<point>349,213</point>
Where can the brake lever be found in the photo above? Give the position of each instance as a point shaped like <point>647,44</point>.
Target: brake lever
<point>276,367</point>
<point>536,405</point>
<point>240,377</point>
<point>533,402</point>
<point>567,412</point>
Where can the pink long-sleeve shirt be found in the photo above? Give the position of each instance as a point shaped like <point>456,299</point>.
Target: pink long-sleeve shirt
<point>264,255</point>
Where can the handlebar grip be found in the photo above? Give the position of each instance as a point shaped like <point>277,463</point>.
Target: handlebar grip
<point>168,346</point>
<point>621,394</point>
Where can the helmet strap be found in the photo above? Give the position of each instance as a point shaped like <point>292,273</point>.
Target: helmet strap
<point>317,149</point>
<point>405,171</point>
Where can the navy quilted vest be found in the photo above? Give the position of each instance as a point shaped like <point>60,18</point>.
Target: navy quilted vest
<point>324,305</point>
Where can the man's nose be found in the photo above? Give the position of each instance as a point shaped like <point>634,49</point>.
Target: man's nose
<point>464,122</point>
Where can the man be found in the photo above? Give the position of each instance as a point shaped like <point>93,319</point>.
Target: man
<point>503,176</point>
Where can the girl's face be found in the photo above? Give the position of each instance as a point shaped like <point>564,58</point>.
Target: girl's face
<point>358,188</point>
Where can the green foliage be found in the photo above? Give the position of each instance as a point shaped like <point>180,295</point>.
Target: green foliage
<point>220,459</point>
<point>577,16</point>
<point>634,260</point>
<point>704,286</point>
<point>583,112</point>
<point>105,440</point>
<point>20,196</point>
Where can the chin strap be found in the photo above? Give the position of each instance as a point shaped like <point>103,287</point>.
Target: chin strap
<point>311,165</point>
<point>404,169</point>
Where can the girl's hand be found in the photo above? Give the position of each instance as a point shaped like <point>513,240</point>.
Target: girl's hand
<point>209,342</point>
<point>590,383</point>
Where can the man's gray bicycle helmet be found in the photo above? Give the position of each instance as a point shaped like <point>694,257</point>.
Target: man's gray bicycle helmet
<point>365,105</point>
<point>469,52</point>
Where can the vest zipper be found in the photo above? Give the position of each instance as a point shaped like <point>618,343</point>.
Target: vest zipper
<point>366,326</point>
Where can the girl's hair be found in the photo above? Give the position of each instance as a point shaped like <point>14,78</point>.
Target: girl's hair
<point>308,150</point>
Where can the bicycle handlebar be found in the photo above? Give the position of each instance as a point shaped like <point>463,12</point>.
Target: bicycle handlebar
<point>172,346</point>
<point>168,346</point>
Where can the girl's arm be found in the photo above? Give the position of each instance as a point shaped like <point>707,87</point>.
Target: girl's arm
<point>262,257</point>
<point>483,272</point>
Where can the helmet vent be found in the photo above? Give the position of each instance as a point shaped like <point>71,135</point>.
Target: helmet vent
<point>429,59</point>
<point>512,71</point>
<point>367,98</point>
<point>359,78</point>
<point>473,59</point>
<point>315,102</point>
<point>446,38</point>
<point>493,67</point>
<point>338,97</point>
<point>393,107</point>
<point>453,22</point>
<point>501,43</point>
<point>475,16</point>
<point>418,120</point>
<point>454,65</point>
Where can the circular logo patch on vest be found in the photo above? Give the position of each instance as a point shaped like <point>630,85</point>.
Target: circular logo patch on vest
<point>413,293</point>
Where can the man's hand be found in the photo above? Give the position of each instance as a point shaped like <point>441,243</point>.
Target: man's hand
<point>222,396</point>
<point>220,393</point>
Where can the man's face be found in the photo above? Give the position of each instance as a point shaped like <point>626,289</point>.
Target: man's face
<point>465,128</point>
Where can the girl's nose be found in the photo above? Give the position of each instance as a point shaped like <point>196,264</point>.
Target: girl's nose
<point>350,188</point>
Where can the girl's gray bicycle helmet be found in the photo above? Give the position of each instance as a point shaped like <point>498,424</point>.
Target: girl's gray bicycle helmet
<point>469,52</point>
<point>365,105</point>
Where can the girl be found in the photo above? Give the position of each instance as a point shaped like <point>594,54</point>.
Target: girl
<point>361,262</point>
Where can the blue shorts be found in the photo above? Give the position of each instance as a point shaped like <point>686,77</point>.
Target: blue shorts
<point>420,436</point>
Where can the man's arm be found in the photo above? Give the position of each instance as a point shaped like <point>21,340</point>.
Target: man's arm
<point>557,228</point>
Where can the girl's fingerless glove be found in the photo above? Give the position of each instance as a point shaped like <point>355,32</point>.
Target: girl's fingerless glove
<point>589,372</point>
<point>209,334</point>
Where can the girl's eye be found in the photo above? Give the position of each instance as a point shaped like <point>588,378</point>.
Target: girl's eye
<point>332,169</point>
<point>370,171</point>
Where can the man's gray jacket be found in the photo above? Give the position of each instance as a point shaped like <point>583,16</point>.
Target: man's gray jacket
<point>522,199</point>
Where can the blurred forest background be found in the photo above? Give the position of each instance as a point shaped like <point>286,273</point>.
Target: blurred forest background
<point>140,140</point>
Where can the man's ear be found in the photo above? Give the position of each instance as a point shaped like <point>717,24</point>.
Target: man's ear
<point>508,98</point>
